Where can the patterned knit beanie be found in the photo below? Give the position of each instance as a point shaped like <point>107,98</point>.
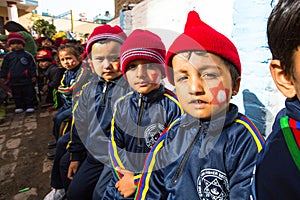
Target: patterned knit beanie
<point>15,37</point>
<point>44,55</point>
<point>105,32</point>
<point>198,35</point>
<point>144,45</point>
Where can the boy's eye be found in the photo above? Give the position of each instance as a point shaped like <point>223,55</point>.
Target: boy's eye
<point>209,75</point>
<point>151,65</point>
<point>99,59</point>
<point>181,78</point>
<point>131,66</point>
<point>114,59</point>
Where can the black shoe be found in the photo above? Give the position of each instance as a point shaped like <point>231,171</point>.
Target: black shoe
<point>52,145</point>
<point>2,121</point>
<point>51,155</point>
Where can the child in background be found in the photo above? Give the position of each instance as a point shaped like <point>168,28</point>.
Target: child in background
<point>141,115</point>
<point>72,82</point>
<point>210,152</point>
<point>49,77</point>
<point>93,113</point>
<point>19,70</point>
<point>75,76</point>
<point>277,173</point>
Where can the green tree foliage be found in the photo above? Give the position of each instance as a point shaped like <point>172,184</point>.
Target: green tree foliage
<point>43,27</point>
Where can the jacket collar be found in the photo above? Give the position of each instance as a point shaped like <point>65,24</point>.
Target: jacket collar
<point>151,96</point>
<point>293,108</point>
<point>76,68</point>
<point>214,124</point>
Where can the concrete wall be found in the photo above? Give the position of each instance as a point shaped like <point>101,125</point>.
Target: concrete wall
<point>244,22</point>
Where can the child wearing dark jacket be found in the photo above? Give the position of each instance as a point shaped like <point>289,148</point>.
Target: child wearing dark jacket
<point>93,114</point>
<point>49,77</point>
<point>140,116</point>
<point>19,71</point>
<point>277,174</point>
<point>210,153</point>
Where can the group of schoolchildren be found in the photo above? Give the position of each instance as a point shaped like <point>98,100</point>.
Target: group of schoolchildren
<point>129,137</point>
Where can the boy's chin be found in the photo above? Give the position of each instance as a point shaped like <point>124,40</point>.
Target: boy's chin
<point>109,77</point>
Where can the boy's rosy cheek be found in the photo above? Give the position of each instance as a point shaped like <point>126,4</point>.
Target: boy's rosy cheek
<point>220,94</point>
<point>73,63</point>
<point>155,77</point>
<point>117,65</point>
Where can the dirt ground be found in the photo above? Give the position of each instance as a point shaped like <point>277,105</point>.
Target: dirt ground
<point>23,149</point>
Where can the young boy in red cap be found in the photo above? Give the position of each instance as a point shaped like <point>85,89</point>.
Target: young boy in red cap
<point>19,70</point>
<point>210,152</point>
<point>93,113</point>
<point>277,173</point>
<point>141,115</point>
<point>49,77</point>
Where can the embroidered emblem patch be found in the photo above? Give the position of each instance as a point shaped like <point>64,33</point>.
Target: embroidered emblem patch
<point>152,133</point>
<point>24,61</point>
<point>213,184</point>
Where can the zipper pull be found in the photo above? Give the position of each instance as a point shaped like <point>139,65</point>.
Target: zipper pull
<point>140,100</point>
<point>104,88</point>
<point>104,93</point>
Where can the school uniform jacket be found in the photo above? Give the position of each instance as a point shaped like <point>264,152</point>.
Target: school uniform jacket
<point>137,123</point>
<point>72,83</point>
<point>277,173</point>
<point>203,160</point>
<point>18,67</point>
<point>92,117</point>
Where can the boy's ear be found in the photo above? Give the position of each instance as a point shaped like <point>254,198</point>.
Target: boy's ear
<point>91,64</point>
<point>236,87</point>
<point>284,84</point>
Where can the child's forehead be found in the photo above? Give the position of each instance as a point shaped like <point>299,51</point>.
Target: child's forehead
<point>140,62</point>
<point>196,59</point>
<point>106,41</point>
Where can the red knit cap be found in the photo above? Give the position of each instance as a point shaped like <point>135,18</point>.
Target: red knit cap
<point>200,36</point>
<point>44,55</point>
<point>105,32</point>
<point>144,45</point>
<point>15,37</point>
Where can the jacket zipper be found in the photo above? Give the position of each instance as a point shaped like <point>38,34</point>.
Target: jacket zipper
<point>104,91</point>
<point>141,110</point>
<point>185,157</point>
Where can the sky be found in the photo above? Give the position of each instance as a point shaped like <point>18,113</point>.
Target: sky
<point>90,7</point>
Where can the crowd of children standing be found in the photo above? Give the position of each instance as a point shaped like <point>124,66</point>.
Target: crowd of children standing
<point>121,134</point>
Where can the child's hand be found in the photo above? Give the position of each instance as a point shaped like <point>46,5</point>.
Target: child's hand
<point>126,185</point>
<point>73,168</point>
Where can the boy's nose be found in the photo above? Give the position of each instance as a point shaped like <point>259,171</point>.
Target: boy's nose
<point>196,85</point>
<point>140,71</point>
<point>106,64</point>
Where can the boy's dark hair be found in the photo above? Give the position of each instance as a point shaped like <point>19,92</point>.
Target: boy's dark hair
<point>75,50</point>
<point>47,38</point>
<point>283,33</point>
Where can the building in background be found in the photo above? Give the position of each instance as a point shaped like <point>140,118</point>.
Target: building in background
<point>123,5</point>
<point>13,10</point>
